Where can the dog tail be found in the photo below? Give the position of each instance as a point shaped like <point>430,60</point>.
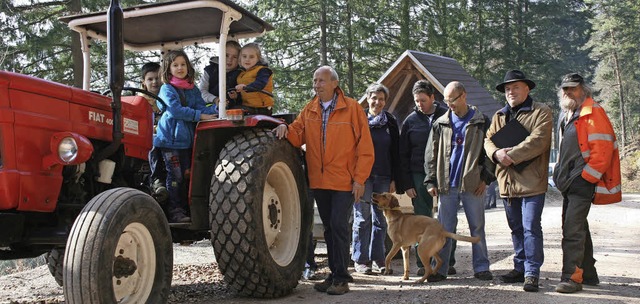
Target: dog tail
<point>471,239</point>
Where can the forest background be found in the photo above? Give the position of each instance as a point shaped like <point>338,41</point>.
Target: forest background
<point>546,39</point>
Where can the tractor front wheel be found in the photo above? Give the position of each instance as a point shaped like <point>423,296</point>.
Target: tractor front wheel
<point>119,251</point>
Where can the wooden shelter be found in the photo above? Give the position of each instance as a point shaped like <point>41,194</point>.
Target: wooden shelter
<point>412,66</point>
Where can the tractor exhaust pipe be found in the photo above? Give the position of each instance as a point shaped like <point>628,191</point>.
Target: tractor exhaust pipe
<point>115,55</point>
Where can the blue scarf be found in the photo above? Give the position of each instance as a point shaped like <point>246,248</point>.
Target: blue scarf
<point>377,121</point>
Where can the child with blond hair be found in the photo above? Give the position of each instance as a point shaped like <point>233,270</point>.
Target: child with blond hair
<point>255,82</point>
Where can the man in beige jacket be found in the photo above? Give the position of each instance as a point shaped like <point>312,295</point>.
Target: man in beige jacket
<point>521,171</point>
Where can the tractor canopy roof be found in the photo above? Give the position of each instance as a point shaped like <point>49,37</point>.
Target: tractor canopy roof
<point>170,25</point>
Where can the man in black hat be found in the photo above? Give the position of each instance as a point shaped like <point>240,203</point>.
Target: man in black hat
<point>587,171</point>
<point>521,171</point>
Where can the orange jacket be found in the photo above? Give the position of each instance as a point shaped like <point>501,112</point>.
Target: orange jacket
<point>599,149</point>
<point>347,155</point>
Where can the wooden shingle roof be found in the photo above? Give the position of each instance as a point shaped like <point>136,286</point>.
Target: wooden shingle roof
<point>412,66</point>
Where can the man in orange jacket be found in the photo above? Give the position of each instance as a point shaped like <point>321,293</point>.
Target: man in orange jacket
<point>339,155</point>
<point>587,171</point>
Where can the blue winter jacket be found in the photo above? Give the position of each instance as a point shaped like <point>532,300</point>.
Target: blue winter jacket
<point>177,124</point>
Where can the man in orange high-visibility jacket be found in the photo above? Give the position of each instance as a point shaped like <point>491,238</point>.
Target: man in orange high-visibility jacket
<point>587,171</point>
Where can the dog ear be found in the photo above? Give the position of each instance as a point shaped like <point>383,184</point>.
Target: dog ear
<point>394,201</point>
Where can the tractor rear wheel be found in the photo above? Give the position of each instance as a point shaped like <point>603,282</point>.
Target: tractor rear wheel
<point>260,217</point>
<point>119,251</point>
<point>54,260</point>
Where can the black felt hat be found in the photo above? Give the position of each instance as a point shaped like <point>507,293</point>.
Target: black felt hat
<point>513,76</point>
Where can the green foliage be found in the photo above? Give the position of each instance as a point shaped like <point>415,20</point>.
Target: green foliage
<point>362,38</point>
<point>615,40</point>
<point>35,42</point>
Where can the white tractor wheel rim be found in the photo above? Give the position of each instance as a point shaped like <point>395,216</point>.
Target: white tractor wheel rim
<point>281,214</point>
<point>135,249</point>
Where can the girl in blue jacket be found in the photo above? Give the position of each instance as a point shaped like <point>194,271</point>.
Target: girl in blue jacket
<point>175,132</point>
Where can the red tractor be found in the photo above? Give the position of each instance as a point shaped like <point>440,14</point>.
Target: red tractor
<point>73,167</point>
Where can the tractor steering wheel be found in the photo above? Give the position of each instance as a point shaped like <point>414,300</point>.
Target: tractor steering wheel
<point>138,90</point>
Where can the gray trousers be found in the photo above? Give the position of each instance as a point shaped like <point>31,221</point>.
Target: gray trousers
<point>577,249</point>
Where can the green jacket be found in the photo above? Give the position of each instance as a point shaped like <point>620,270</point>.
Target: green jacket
<point>533,179</point>
<point>477,167</point>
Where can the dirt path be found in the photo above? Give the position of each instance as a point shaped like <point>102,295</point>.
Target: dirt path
<point>616,237</point>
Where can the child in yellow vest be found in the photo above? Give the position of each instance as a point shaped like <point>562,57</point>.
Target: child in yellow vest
<point>255,81</point>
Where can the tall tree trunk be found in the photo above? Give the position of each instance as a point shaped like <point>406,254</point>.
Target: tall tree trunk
<point>620,88</point>
<point>350,85</point>
<point>323,33</point>
<point>506,34</point>
<point>521,32</point>
<point>405,20</point>
<point>75,7</point>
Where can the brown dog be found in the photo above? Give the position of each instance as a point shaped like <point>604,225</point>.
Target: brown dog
<point>408,229</point>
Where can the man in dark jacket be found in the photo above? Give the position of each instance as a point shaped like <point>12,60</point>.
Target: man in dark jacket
<point>522,187</point>
<point>413,140</point>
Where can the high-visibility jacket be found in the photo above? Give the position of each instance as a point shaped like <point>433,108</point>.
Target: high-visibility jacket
<point>599,149</point>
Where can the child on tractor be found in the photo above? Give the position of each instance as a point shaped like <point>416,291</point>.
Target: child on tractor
<point>150,75</point>
<point>175,132</point>
<point>255,82</point>
<point>209,82</point>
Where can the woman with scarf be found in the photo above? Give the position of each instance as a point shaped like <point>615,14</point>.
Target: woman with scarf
<point>369,224</point>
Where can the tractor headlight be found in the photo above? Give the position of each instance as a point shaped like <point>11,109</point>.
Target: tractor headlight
<point>67,149</point>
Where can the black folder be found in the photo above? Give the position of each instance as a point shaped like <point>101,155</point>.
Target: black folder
<point>511,135</point>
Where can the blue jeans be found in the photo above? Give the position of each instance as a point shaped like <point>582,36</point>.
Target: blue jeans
<point>157,165</point>
<point>176,161</point>
<point>523,216</point>
<point>369,224</point>
<point>335,207</point>
<point>448,217</point>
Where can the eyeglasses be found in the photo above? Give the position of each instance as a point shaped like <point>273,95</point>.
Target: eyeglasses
<point>453,100</point>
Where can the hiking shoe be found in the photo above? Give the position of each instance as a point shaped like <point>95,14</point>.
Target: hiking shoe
<point>436,277</point>
<point>591,281</point>
<point>568,286</point>
<point>377,268</point>
<point>338,288</point>
<point>159,191</point>
<point>323,286</point>
<point>362,268</point>
<point>420,272</point>
<point>178,215</point>
<point>513,276</point>
<point>451,270</point>
<point>483,275</point>
<point>308,274</point>
<point>530,284</point>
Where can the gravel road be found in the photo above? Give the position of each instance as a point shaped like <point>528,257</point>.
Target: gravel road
<point>616,237</point>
